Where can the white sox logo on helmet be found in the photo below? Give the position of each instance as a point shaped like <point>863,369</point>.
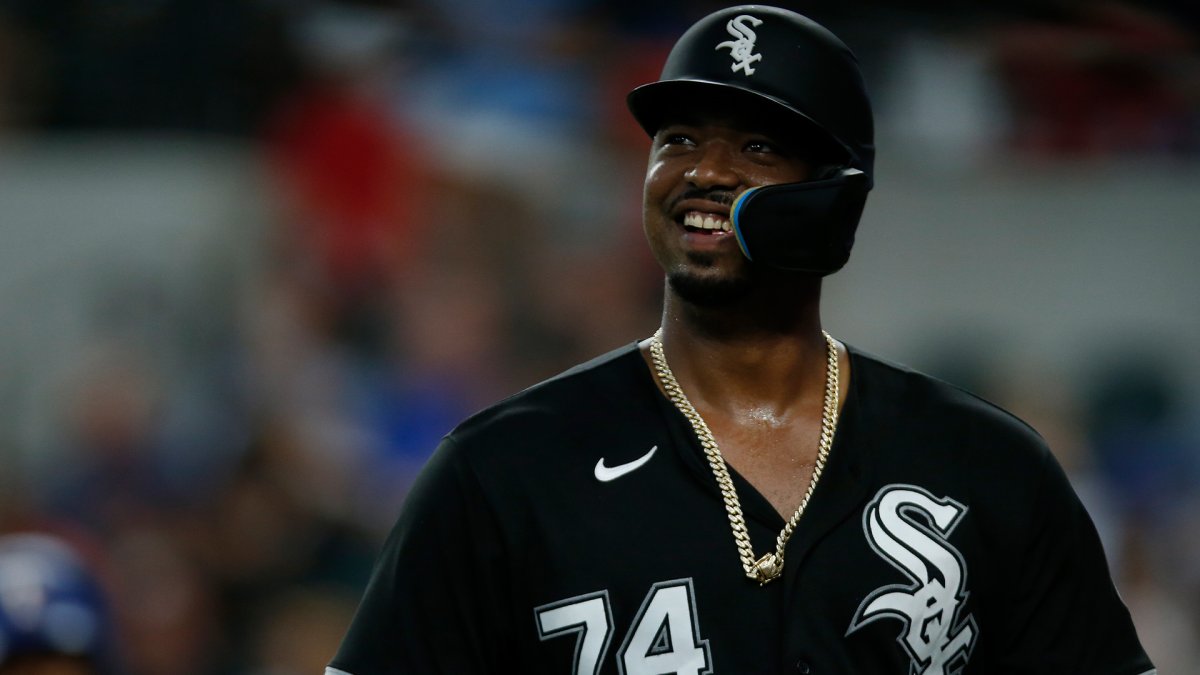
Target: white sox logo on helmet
<point>908,527</point>
<point>742,49</point>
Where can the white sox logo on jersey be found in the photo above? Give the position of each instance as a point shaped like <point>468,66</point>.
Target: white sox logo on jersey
<point>908,527</point>
<point>742,49</point>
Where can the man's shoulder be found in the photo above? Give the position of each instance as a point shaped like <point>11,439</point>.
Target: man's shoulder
<point>906,393</point>
<point>922,430</point>
<point>567,404</point>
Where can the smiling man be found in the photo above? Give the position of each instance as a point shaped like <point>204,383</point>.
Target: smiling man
<point>741,493</point>
<point>696,170</point>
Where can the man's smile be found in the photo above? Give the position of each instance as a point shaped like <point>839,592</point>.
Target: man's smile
<point>710,223</point>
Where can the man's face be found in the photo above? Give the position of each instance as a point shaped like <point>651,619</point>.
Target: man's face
<point>697,169</point>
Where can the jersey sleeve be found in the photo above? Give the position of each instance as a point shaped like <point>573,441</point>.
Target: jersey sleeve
<point>435,601</point>
<point>1067,616</point>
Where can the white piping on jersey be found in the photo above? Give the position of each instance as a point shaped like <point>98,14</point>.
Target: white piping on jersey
<point>335,671</point>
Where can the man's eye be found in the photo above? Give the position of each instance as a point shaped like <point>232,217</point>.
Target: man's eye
<point>676,139</point>
<point>761,146</point>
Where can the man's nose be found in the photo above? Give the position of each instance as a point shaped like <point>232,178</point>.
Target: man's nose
<point>713,167</point>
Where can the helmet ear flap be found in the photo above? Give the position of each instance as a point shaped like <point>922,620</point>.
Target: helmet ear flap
<point>803,227</point>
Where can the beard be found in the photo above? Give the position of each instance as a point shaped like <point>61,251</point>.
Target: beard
<point>711,290</point>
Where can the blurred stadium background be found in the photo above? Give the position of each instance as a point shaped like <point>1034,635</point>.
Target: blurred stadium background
<point>257,256</point>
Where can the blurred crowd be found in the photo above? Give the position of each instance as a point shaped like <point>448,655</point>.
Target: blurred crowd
<point>453,193</point>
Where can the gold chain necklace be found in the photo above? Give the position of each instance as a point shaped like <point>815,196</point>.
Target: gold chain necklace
<point>769,566</point>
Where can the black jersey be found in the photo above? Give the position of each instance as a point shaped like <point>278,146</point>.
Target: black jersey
<point>576,528</point>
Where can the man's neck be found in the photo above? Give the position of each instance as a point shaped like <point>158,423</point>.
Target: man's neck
<point>764,355</point>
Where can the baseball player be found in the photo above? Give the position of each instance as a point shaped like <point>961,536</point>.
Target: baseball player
<point>742,493</point>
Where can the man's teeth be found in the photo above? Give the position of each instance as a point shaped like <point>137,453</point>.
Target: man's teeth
<point>707,221</point>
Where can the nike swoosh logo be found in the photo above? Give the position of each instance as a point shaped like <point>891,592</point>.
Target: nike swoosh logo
<point>607,473</point>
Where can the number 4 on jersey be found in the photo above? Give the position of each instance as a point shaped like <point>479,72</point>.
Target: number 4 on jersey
<point>664,638</point>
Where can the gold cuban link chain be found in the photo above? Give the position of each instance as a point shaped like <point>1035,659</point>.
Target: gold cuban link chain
<point>769,566</point>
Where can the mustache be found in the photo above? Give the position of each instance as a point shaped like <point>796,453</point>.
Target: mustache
<point>722,197</point>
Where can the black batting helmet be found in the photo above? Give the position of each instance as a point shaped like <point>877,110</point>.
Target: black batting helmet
<point>786,64</point>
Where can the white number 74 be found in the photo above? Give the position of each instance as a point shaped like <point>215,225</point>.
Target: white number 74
<point>664,638</point>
